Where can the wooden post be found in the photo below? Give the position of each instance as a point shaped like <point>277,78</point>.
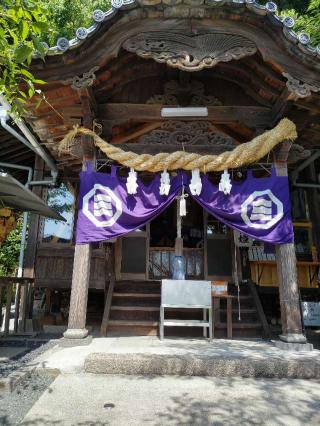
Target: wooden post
<point>81,269</point>
<point>8,309</point>
<point>31,246</point>
<point>287,275</point>
<point>79,293</point>
<point>289,294</point>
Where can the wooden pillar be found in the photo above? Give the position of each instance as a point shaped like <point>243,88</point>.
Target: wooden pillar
<point>82,257</point>
<point>79,293</point>
<point>287,273</point>
<point>289,294</point>
<point>31,245</point>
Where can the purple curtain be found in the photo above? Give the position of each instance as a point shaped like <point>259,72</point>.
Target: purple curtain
<point>257,207</point>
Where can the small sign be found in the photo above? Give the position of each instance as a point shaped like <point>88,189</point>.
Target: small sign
<point>219,288</point>
<point>311,313</point>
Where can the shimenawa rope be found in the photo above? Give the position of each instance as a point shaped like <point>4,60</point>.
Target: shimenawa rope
<point>243,154</point>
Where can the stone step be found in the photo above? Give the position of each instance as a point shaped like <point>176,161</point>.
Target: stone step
<point>203,363</point>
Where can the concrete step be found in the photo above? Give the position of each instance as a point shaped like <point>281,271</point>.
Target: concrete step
<point>202,363</point>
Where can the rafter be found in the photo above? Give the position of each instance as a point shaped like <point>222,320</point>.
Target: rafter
<point>136,133</point>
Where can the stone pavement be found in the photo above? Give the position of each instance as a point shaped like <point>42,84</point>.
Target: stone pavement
<point>96,400</point>
<point>149,355</point>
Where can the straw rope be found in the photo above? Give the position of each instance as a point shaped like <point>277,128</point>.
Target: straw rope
<point>243,154</point>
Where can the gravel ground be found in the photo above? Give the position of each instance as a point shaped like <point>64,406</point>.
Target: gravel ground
<point>15,405</point>
<point>32,350</point>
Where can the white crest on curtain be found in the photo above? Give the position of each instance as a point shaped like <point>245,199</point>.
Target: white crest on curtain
<point>225,183</point>
<point>165,183</point>
<point>195,184</point>
<point>132,184</point>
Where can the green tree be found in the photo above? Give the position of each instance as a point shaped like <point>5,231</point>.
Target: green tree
<point>65,16</point>
<point>22,24</point>
<point>10,250</point>
<point>307,16</point>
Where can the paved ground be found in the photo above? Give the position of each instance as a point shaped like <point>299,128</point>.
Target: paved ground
<point>85,399</point>
<point>71,360</point>
<point>15,405</point>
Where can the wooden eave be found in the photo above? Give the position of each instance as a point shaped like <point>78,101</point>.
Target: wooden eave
<point>123,81</point>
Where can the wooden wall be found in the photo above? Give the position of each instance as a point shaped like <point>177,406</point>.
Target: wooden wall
<point>54,266</point>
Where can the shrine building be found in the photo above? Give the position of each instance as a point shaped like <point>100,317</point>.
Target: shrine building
<point>187,111</point>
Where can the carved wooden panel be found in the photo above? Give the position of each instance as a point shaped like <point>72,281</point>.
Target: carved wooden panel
<point>298,88</point>
<point>189,93</point>
<point>190,53</point>
<point>187,133</point>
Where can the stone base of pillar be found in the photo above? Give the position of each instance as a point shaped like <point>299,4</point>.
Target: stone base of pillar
<point>76,333</point>
<point>68,343</point>
<point>293,338</point>
<point>295,347</point>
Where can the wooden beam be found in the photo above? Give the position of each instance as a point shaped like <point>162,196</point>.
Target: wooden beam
<point>157,148</point>
<point>128,136</point>
<point>251,115</point>
<point>281,105</point>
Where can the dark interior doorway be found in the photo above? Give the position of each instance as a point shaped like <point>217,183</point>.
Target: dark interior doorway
<point>163,232</point>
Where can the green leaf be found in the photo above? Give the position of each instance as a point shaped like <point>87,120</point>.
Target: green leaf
<point>36,81</point>
<point>23,29</point>
<point>40,26</point>
<point>30,92</point>
<point>23,53</point>
<point>26,73</point>
<point>38,103</point>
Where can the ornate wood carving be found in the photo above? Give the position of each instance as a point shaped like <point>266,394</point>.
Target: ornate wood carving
<point>187,133</point>
<point>190,53</point>
<point>190,93</point>
<point>298,88</point>
<point>84,81</point>
<point>297,153</point>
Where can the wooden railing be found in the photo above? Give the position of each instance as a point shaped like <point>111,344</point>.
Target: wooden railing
<point>161,262</point>
<point>23,302</point>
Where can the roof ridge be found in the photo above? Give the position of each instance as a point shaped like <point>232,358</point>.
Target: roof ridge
<point>269,9</point>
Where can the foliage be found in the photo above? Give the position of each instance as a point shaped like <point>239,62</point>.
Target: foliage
<point>65,16</point>
<point>22,24</point>
<point>9,252</point>
<point>299,6</point>
<point>60,199</point>
<point>307,16</point>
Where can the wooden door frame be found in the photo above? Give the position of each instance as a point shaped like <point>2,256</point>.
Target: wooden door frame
<point>118,256</point>
<point>228,278</point>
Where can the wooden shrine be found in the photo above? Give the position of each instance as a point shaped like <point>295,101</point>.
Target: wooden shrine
<point>243,63</point>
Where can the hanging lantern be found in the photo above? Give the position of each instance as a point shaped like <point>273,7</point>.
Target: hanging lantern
<point>225,184</point>
<point>165,184</point>
<point>132,184</point>
<point>196,183</point>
